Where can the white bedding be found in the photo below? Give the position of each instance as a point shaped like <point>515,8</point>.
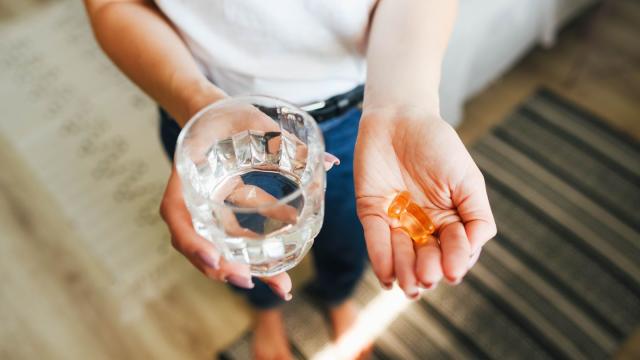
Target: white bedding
<point>489,37</point>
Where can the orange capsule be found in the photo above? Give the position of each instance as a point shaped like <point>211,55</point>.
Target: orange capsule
<point>413,220</point>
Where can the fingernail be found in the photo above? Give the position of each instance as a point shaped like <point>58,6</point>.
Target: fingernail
<point>209,260</point>
<point>454,281</point>
<point>285,295</point>
<point>330,158</point>
<point>240,281</point>
<point>426,286</point>
<point>386,285</point>
<point>412,292</point>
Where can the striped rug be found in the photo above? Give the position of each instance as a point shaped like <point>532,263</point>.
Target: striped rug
<point>561,279</point>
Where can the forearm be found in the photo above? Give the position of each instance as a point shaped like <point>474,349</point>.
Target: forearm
<point>143,44</point>
<point>407,42</point>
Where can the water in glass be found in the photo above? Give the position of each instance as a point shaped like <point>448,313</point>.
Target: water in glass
<point>253,180</point>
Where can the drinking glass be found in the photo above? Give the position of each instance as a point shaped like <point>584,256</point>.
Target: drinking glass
<point>253,179</point>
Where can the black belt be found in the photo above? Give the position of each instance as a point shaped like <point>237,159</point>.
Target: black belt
<point>335,105</point>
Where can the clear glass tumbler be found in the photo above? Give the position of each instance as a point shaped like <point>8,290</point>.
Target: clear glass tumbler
<point>253,179</point>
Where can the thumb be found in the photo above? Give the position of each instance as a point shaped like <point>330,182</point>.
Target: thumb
<point>280,284</point>
<point>472,203</point>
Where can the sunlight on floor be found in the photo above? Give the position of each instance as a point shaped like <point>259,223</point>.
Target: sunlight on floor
<point>372,321</point>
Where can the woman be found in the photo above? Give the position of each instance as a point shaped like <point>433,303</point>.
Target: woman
<point>186,54</point>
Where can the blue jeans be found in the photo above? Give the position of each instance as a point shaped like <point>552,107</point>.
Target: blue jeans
<point>339,250</point>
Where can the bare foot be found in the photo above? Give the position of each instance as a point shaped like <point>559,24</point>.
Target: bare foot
<point>343,317</point>
<point>269,336</point>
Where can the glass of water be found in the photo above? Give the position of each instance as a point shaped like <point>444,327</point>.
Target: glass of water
<point>253,179</point>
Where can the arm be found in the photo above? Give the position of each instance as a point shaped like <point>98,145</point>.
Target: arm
<point>407,42</point>
<point>143,44</point>
<point>403,144</point>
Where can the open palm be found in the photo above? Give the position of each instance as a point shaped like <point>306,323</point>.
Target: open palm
<point>424,155</point>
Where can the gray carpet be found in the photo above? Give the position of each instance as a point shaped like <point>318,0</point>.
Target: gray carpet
<point>561,279</point>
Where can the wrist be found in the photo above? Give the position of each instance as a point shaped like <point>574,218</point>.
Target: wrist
<point>197,96</point>
<point>391,105</point>
<point>394,113</point>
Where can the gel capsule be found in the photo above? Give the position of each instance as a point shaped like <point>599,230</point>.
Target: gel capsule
<point>413,219</point>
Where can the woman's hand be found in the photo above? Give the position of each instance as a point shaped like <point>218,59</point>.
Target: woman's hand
<point>420,153</point>
<point>203,254</point>
<point>200,252</point>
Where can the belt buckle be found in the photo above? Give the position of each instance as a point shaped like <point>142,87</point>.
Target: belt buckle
<point>313,106</point>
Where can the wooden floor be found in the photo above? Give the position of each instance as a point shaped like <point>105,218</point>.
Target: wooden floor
<point>595,63</point>
<point>53,306</point>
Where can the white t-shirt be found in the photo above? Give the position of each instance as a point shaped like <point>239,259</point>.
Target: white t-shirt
<point>297,50</point>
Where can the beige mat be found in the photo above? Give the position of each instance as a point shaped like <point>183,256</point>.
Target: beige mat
<point>89,138</point>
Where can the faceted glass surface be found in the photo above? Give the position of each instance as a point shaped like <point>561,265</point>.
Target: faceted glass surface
<point>253,180</point>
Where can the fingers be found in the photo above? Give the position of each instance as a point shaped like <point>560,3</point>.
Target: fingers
<point>280,284</point>
<point>377,236</point>
<point>479,232</point>
<point>201,253</point>
<point>239,194</point>
<point>207,261</point>
<point>231,225</point>
<point>472,203</point>
<point>184,237</point>
<point>251,196</point>
<point>456,251</point>
<point>404,259</point>
<point>235,273</point>
<point>474,258</point>
<point>428,264</point>
<point>330,160</point>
